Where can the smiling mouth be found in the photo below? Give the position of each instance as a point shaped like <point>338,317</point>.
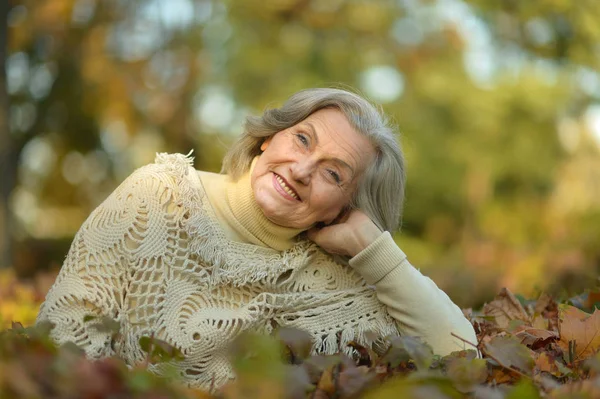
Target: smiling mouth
<point>286,188</point>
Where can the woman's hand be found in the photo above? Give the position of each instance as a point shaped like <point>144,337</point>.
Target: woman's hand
<point>348,236</point>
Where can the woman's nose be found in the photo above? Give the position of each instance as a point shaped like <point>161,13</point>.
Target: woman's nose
<point>303,170</point>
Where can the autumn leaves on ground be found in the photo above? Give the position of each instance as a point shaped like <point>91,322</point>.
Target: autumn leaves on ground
<point>529,349</point>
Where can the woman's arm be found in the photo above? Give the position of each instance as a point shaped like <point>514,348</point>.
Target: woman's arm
<point>132,229</point>
<point>419,307</point>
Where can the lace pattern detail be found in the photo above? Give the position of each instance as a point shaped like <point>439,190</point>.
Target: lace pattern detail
<point>154,257</point>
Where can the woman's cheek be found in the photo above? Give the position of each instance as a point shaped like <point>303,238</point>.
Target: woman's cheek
<point>331,205</point>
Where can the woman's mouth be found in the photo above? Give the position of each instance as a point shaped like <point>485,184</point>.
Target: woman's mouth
<point>284,189</point>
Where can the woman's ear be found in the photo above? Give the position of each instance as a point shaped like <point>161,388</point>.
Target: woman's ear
<point>265,144</point>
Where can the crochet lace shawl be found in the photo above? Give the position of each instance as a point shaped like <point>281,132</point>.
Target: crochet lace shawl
<point>153,257</point>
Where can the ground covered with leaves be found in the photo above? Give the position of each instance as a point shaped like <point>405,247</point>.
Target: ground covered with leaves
<point>525,349</point>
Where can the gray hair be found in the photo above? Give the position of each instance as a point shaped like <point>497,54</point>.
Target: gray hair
<point>380,189</point>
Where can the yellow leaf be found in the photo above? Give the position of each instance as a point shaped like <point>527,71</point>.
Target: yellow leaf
<point>579,333</point>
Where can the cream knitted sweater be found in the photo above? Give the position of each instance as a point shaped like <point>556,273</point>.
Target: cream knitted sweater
<point>188,257</point>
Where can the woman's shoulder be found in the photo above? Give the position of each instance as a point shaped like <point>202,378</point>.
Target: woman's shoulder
<point>165,165</point>
<point>176,165</point>
<point>173,173</point>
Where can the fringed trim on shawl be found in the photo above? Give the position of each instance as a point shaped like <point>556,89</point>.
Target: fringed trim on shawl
<point>177,162</point>
<point>229,264</point>
<point>365,334</point>
<point>236,267</point>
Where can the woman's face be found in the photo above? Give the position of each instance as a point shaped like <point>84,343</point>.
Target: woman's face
<point>308,172</point>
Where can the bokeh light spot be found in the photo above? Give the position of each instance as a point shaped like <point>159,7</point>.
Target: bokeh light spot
<point>592,121</point>
<point>382,83</point>
<point>216,109</point>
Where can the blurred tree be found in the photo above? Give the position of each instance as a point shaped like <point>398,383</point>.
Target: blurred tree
<point>7,156</point>
<point>97,88</point>
<point>492,100</point>
<point>564,31</point>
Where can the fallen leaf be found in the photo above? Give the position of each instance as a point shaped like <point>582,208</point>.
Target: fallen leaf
<point>15,325</point>
<point>297,342</point>
<point>159,350</point>
<point>418,351</point>
<point>464,354</point>
<point>539,322</point>
<point>316,365</point>
<point>535,337</point>
<point>578,389</point>
<point>579,333</point>
<point>404,388</point>
<point>509,353</point>
<point>587,300</point>
<point>546,309</point>
<point>354,380</point>
<point>593,364</point>
<point>503,376</point>
<point>318,394</point>
<point>485,392</point>
<point>545,363</point>
<point>466,373</point>
<point>544,302</point>
<point>547,383</point>
<point>297,381</point>
<point>505,308</point>
<point>365,355</point>
<point>21,382</point>
<point>523,390</point>
<point>328,381</point>
<point>593,299</point>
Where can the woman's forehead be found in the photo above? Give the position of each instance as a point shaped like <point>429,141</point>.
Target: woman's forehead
<point>335,135</point>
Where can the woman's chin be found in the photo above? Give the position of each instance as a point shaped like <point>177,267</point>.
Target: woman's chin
<point>283,221</point>
<point>276,212</point>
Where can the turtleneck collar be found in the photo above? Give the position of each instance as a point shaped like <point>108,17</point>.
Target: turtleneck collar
<point>250,218</point>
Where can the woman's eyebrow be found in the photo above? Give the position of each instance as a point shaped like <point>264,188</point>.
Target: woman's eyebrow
<point>313,133</point>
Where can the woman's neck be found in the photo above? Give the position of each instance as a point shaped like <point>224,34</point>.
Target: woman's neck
<point>259,229</point>
<point>240,216</point>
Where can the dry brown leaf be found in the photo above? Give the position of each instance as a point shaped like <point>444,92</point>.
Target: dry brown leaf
<point>327,383</point>
<point>366,355</point>
<point>509,352</point>
<point>547,308</point>
<point>503,376</point>
<point>580,328</point>
<point>592,299</point>
<point>353,380</point>
<point>578,389</point>
<point>543,302</point>
<point>318,394</point>
<point>504,308</point>
<point>546,363</point>
<point>466,373</point>
<point>539,322</point>
<point>534,337</point>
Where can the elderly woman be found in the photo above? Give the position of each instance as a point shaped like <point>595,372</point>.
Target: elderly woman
<point>196,258</point>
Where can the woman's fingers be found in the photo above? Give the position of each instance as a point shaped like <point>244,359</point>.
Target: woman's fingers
<point>331,238</point>
<point>349,237</point>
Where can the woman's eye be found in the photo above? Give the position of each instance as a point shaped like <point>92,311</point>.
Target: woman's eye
<point>302,139</point>
<point>335,176</point>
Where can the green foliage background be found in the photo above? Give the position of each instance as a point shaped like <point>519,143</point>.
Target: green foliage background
<point>497,104</point>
